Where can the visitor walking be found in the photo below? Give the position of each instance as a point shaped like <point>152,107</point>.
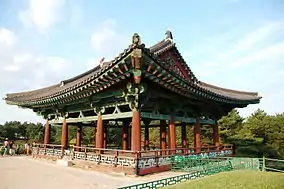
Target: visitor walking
<point>27,148</point>
<point>6,147</point>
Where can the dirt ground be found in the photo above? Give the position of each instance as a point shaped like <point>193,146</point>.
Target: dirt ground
<point>26,173</point>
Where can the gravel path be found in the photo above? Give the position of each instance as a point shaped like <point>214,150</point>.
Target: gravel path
<point>26,173</point>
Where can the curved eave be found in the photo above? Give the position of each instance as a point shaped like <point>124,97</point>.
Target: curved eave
<point>230,93</point>
<point>69,86</point>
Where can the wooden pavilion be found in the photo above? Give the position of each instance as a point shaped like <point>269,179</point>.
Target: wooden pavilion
<point>137,87</point>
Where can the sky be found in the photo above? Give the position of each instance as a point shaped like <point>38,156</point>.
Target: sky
<point>237,44</point>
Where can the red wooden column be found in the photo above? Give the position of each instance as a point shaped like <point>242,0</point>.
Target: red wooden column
<point>183,137</point>
<point>172,134</point>
<point>95,133</point>
<point>78,137</point>
<point>216,137</point>
<point>136,131</point>
<point>125,135</point>
<point>47,133</point>
<point>197,136</point>
<point>163,136</point>
<point>64,136</point>
<point>100,132</point>
<point>105,135</point>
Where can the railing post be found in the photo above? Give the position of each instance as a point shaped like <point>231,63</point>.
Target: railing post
<point>263,163</point>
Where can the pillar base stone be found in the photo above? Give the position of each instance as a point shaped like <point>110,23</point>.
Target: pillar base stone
<point>64,163</point>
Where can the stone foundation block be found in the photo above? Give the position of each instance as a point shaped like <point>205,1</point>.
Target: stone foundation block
<point>65,163</point>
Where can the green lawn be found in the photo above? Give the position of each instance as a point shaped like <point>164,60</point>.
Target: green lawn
<point>236,180</point>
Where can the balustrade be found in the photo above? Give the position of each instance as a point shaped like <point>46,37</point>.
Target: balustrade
<point>127,158</point>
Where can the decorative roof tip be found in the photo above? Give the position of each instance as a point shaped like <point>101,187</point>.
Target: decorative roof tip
<point>136,39</point>
<point>61,83</point>
<point>169,35</point>
<point>102,62</point>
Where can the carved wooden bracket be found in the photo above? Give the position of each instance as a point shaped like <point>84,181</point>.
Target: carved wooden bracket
<point>136,58</point>
<point>99,110</point>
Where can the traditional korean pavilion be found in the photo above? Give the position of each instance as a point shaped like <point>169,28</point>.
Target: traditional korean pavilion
<point>139,86</point>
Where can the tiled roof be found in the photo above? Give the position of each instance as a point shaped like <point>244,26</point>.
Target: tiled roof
<point>241,95</point>
<point>157,49</point>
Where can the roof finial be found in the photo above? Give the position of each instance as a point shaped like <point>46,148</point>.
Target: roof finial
<point>102,62</point>
<point>169,35</point>
<point>136,39</point>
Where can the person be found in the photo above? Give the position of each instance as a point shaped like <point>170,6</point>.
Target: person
<point>6,147</point>
<point>27,148</point>
<point>11,150</point>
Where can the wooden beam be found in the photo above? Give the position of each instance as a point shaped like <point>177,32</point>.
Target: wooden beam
<point>94,118</point>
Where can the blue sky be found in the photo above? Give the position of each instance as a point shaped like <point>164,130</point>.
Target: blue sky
<point>237,44</point>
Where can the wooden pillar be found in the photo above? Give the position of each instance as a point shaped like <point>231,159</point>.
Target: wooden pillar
<point>197,136</point>
<point>100,132</point>
<point>105,135</point>
<point>216,137</point>
<point>172,134</point>
<point>47,133</point>
<point>64,136</point>
<point>78,137</point>
<point>136,131</point>
<point>183,137</point>
<point>163,136</point>
<point>95,133</point>
<point>125,135</point>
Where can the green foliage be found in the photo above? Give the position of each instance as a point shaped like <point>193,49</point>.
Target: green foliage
<point>258,135</point>
<point>230,125</point>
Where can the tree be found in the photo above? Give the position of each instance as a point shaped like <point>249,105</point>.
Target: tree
<point>230,125</point>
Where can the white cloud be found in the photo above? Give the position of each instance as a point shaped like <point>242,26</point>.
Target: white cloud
<point>250,62</point>
<point>250,47</point>
<point>107,42</point>
<point>267,53</point>
<point>259,35</point>
<point>21,71</point>
<point>106,39</point>
<point>7,38</point>
<point>92,62</point>
<point>43,14</point>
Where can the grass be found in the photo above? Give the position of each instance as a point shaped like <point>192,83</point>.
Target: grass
<point>236,180</point>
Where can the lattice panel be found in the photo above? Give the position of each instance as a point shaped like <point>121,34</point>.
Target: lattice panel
<point>49,152</point>
<point>35,151</point>
<point>93,158</point>
<point>57,152</point>
<point>126,162</point>
<point>79,155</point>
<point>41,151</point>
<point>153,162</point>
<point>106,159</point>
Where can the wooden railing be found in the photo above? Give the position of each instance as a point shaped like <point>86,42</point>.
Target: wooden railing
<point>48,148</point>
<point>186,151</point>
<point>113,152</point>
